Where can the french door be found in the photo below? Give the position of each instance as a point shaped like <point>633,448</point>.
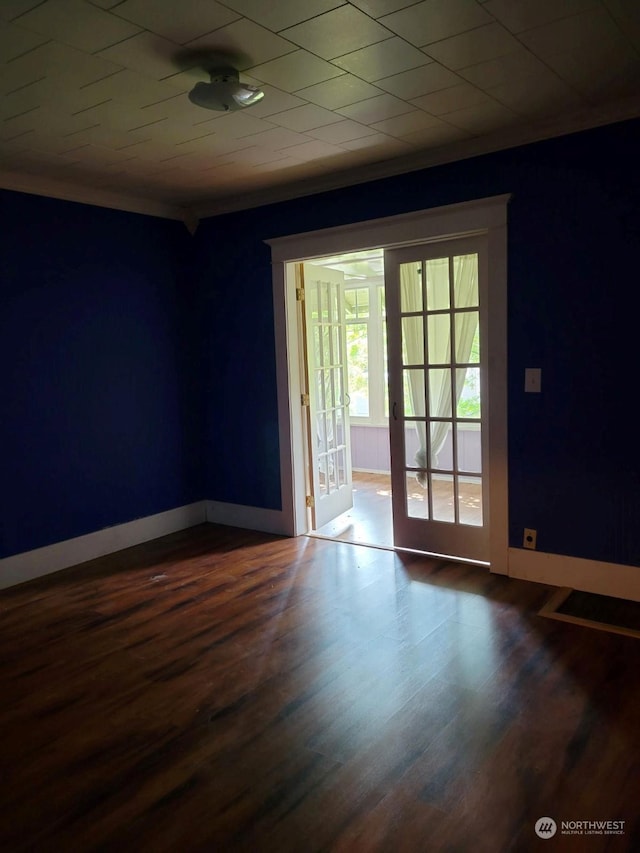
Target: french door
<point>327,403</point>
<point>436,296</point>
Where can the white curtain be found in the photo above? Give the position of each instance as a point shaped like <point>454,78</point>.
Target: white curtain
<point>439,347</point>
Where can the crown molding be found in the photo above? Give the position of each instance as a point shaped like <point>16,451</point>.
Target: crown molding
<point>65,191</point>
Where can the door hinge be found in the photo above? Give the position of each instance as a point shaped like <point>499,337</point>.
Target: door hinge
<point>304,400</point>
<point>299,294</point>
<point>310,501</point>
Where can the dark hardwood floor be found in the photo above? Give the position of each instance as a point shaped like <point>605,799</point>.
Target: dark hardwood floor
<point>224,690</point>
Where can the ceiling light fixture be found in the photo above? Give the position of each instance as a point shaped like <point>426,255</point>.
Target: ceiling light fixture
<point>225,92</point>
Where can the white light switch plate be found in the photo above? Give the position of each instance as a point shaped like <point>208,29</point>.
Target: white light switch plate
<point>532,380</point>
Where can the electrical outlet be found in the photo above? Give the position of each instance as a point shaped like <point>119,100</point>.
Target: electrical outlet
<point>529,540</point>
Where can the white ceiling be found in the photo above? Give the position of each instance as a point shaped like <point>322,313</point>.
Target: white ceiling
<point>94,92</point>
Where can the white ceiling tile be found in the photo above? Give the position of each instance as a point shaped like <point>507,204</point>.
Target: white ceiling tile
<point>102,135</point>
<point>383,59</point>
<point>278,14</point>
<point>14,77</point>
<point>313,150</point>
<point>15,40</point>
<point>455,98</point>
<point>483,118</point>
<point>18,126</point>
<point>335,33</point>
<point>626,14</point>
<point>78,24</point>
<point>304,118</point>
<point>295,71</point>
<point>173,140</point>
<point>519,15</point>
<point>209,146</point>
<point>118,139</point>
<point>419,81</point>
<point>164,156</point>
<point>16,144</point>
<point>116,116</point>
<point>70,66</point>
<point>257,156</point>
<point>592,30</point>
<point>11,9</point>
<point>183,81</point>
<point>98,154</point>
<point>191,20</point>
<point>147,54</point>
<point>250,43</point>
<point>280,165</point>
<point>129,88</point>
<point>47,91</point>
<point>434,20</point>
<point>141,168</point>
<point>277,138</point>
<point>15,104</point>
<point>377,8</point>
<point>376,109</point>
<point>177,108</point>
<point>235,125</point>
<point>477,46</point>
<point>148,161</point>
<point>407,123</point>
<point>503,69</point>
<point>197,160</point>
<point>274,101</point>
<point>105,4</point>
<point>536,95</point>
<point>210,143</point>
<point>380,145</point>
<point>341,131</point>
<point>339,92</point>
<point>364,142</point>
<point>38,161</point>
<point>48,120</point>
<point>433,137</point>
<point>608,72</point>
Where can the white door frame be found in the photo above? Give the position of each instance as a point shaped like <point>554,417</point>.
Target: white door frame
<point>488,216</point>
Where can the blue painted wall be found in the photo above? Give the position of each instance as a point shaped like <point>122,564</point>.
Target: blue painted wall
<point>574,229</point>
<point>101,418</point>
<point>137,364</point>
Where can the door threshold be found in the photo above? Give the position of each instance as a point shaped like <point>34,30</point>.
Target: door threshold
<point>449,557</point>
<point>313,535</point>
<point>431,554</point>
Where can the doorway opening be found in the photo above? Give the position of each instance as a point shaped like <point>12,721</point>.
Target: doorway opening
<point>359,354</point>
<point>409,242</point>
<point>344,354</point>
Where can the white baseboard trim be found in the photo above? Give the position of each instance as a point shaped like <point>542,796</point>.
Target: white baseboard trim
<point>614,579</point>
<point>249,517</point>
<point>62,555</point>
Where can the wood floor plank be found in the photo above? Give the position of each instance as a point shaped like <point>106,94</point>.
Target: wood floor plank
<point>223,690</point>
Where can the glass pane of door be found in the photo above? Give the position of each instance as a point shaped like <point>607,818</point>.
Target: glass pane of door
<point>332,489</point>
